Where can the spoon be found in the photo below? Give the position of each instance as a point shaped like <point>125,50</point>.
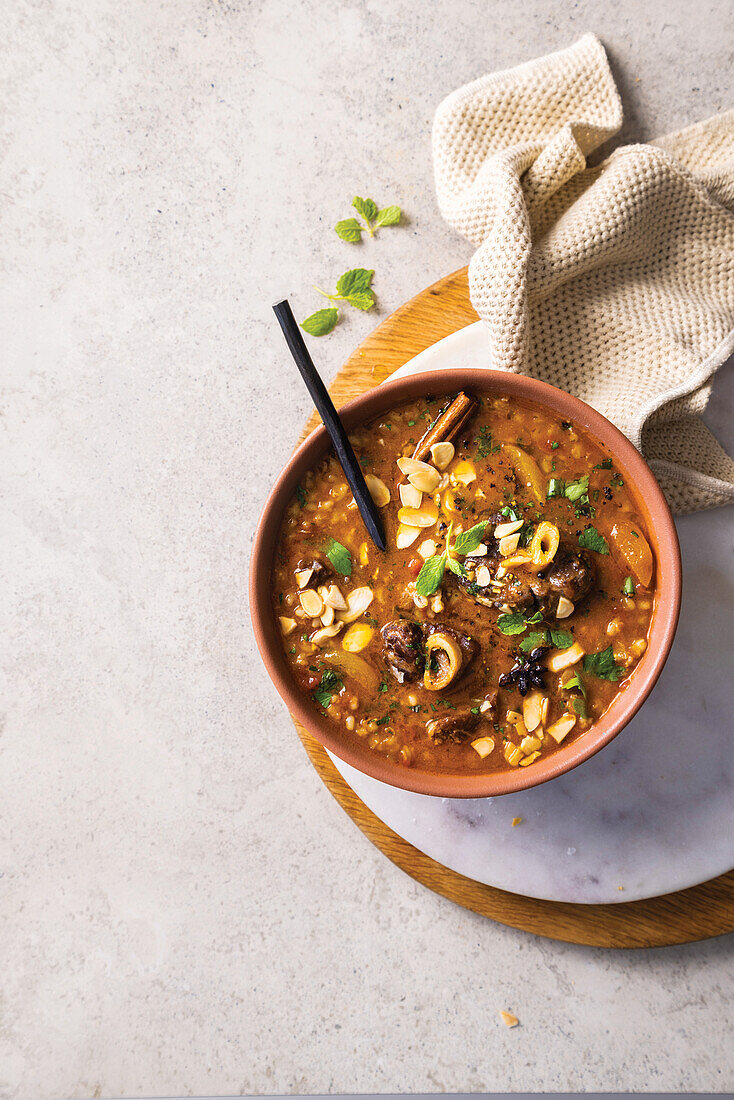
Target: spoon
<point>325,406</point>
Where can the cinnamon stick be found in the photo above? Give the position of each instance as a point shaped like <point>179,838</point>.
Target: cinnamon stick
<point>447,425</point>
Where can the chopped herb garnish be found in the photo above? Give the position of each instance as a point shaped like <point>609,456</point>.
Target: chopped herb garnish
<point>331,684</point>
<point>484,443</point>
<point>300,495</point>
<point>433,570</point>
<point>555,446</point>
<point>577,490</point>
<point>383,687</point>
<point>628,587</point>
<point>339,557</point>
<point>561,639</point>
<point>556,487</point>
<point>383,721</point>
<point>605,465</point>
<point>590,539</point>
<point>579,705</point>
<point>603,665</point>
<point>510,513</point>
<point>533,640</point>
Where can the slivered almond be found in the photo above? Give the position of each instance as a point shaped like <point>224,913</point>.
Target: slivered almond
<point>333,598</point>
<point>562,727</point>
<point>427,549</point>
<point>378,490</point>
<point>311,603</point>
<point>483,576</point>
<point>358,600</point>
<point>409,495</point>
<point>532,710</point>
<point>327,617</point>
<point>480,551</point>
<point>504,529</point>
<point>564,658</point>
<point>303,576</point>
<point>410,466</point>
<point>483,745</point>
<point>442,454</point>
<point>463,473</point>
<point>287,625</point>
<point>425,516</point>
<point>427,481</point>
<point>406,536</point>
<point>565,608</point>
<point>321,637</point>
<point>508,544</point>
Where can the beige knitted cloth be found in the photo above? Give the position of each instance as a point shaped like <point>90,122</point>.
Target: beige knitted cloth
<point>613,282</point>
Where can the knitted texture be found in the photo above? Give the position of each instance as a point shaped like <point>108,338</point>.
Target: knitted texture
<point>613,282</point>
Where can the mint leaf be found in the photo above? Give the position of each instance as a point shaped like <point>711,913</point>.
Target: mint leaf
<point>533,640</point>
<point>331,684</point>
<point>431,575</point>
<point>603,665</point>
<point>469,540</point>
<point>590,539</point>
<point>320,322</point>
<point>512,624</point>
<point>605,465</point>
<point>389,215</point>
<point>561,639</point>
<point>577,490</point>
<point>628,587</point>
<point>362,299</point>
<point>510,513</point>
<point>456,567</point>
<point>365,207</point>
<point>353,281</point>
<point>339,557</point>
<point>349,230</point>
<point>575,682</point>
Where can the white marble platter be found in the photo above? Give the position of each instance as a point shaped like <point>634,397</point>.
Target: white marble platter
<point>651,813</point>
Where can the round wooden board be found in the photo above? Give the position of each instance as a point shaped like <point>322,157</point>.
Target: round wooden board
<point>694,914</point>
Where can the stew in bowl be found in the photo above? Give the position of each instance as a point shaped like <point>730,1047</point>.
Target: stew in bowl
<point>512,608</point>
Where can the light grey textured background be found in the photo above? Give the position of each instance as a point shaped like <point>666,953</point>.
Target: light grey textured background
<point>185,908</point>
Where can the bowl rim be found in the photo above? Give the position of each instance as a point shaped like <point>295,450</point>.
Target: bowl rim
<point>666,606</point>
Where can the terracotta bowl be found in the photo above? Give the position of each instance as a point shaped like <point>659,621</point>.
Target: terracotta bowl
<point>650,502</point>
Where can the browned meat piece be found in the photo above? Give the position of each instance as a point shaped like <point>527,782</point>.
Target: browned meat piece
<point>469,648</point>
<point>457,726</point>
<point>403,650</point>
<point>571,574</point>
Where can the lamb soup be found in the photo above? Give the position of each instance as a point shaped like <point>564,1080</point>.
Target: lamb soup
<point>513,601</point>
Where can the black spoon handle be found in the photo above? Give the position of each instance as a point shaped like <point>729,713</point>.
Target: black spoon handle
<point>325,406</point>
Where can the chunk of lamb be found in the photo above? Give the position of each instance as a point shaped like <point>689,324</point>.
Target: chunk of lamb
<point>570,574</point>
<point>457,726</point>
<point>402,644</point>
<point>320,571</point>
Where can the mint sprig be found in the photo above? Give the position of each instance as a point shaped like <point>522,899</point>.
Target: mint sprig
<point>354,288</point>
<point>351,230</point>
<point>433,570</point>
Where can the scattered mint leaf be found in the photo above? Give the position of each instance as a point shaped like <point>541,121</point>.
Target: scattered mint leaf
<point>431,575</point>
<point>510,513</point>
<point>470,540</point>
<point>561,639</point>
<point>362,299</point>
<point>484,442</point>
<point>603,665</point>
<point>300,495</point>
<point>349,230</point>
<point>365,207</point>
<point>512,624</point>
<point>339,557</point>
<point>533,640</point>
<point>352,281</point>
<point>383,721</point>
<point>331,684</point>
<point>555,446</point>
<point>382,687</point>
<point>590,539</point>
<point>605,465</point>
<point>389,215</point>
<point>320,322</point>
<point>526,534</point>
<point>575,682</point>
<point>628,587</point>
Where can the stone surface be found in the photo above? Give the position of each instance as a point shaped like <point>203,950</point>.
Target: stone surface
<point>185,908</point>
